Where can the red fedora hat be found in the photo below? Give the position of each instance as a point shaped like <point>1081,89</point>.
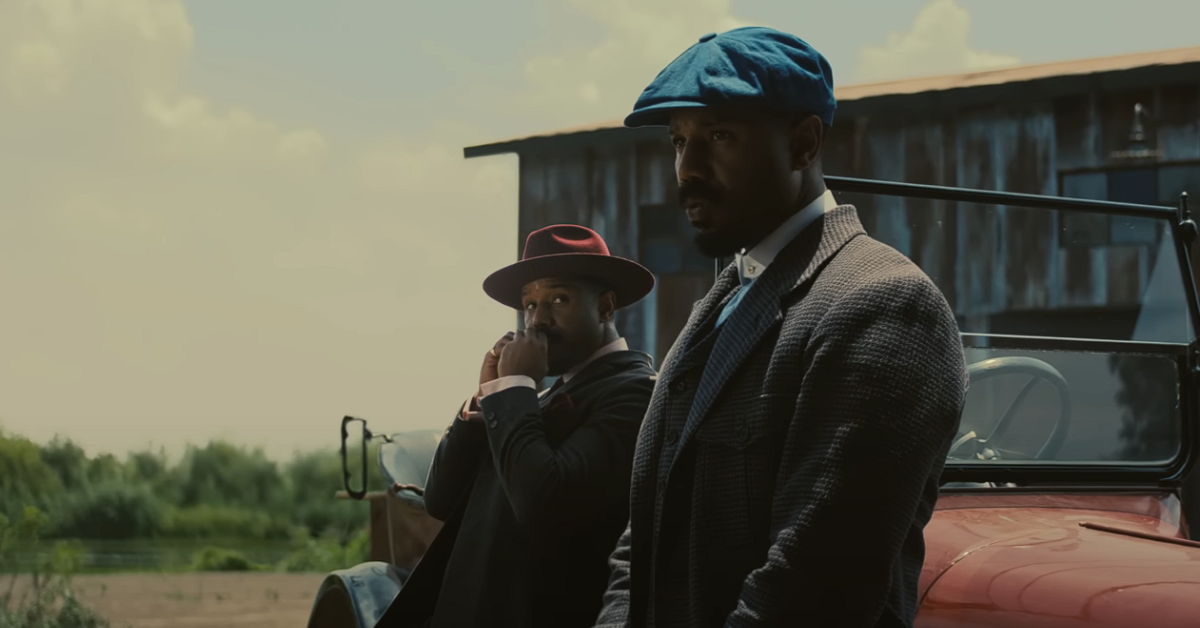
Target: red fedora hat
<point>569,251</point>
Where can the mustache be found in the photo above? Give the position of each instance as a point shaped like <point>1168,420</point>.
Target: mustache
<point>698,190</point>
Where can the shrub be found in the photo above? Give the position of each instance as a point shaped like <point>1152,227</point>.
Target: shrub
<point>53,603</point>
<point>212,522</point>
<point>223,473</point>
<point>218,559</point>
<point>111,511</point>
<point>340,518</point>
<point>327,554</point>
<point>52,607</point>
<point>25,478</point>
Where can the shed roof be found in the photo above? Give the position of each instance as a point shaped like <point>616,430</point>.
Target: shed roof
<point>1173,58</point>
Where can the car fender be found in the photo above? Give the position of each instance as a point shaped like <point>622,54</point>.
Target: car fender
<point>357,596</point>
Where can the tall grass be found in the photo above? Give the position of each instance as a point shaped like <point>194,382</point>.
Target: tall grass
<point>50,602</point>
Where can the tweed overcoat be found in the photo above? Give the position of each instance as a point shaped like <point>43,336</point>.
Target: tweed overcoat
<point>790,458</point>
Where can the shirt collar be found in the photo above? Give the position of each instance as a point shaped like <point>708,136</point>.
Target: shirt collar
<point>752,263</point>
<point>617,345</point>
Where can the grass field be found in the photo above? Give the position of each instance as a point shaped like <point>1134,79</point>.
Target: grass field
<point>199,600</point>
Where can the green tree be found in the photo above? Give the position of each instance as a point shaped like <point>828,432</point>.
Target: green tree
<point>104,468</point>
<point>153,469</point>
<point>25,478</point>
<point>225,474</point>
<point>313,479</point>
<point>113,510</point>
<point>68,460</point>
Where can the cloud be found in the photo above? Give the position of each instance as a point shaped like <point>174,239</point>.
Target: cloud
<point>194,267</point>
<point>642,37</point>
<point>188,127</point>
<point>54,50</point>
<point>937,44</point>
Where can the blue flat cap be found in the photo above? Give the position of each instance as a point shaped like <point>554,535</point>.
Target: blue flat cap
<point>750,66</point>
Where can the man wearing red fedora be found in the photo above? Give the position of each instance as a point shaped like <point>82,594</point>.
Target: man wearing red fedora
<point>534,488</point>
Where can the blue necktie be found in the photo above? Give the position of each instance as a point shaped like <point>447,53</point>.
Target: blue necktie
<point>733,303</point>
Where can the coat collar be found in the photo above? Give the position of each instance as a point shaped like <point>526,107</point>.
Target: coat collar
<point>797,264</point>
<point>753,263</point>
<point>600,364</point>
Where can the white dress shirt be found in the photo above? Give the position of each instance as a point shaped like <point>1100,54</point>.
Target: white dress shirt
<point>751,264</point>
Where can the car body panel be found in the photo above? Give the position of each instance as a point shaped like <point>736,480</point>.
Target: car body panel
<point>1026,560</point>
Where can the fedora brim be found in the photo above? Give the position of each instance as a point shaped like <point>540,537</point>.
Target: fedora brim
<point>628,279</point>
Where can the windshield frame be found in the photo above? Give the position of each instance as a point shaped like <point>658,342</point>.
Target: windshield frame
<point>1183,232</point>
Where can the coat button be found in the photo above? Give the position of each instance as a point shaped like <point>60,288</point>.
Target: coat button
<point>681,385</point>
<point>492,422</point>
<point>742,433</point>
<point>672,436</point>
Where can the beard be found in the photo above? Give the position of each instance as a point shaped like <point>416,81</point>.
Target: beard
<point>748,219</point>
<point>561,357</point>
<point>724,242</point>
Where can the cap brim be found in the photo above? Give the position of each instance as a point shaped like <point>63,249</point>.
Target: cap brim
<point>658,114</point>
<point>628,279</point>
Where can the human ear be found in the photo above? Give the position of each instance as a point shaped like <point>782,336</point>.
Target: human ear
<point>805,138</point>
<point>608,305</point>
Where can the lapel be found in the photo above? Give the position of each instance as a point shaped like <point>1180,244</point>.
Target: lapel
<point>419,593</point>
<point>560,398</point>
<point>696,326</point>
<point>763,307</point>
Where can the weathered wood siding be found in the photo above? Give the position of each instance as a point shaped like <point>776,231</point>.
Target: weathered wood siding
<point>991,262</point>
<point>596,188</point>
<point>987,260</point>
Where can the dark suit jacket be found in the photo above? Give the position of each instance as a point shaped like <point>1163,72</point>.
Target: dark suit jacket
<point>534,497</point>
<point>790,458</point>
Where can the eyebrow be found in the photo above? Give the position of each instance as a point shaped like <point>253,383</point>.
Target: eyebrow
<point>709,120</point>
<point>553,284</point>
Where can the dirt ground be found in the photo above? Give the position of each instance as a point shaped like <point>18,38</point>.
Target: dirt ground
<point>201,600</point>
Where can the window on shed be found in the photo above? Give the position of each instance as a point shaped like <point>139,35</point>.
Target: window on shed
<point>1150,185</point>
<point>1172,180</point>
<point>1133,185</point>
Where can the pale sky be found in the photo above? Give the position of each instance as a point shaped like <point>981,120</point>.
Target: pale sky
<point>223,218</point>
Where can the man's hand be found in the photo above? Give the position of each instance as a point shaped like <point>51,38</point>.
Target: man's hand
<point>491,359</point>
<point>525,355</point>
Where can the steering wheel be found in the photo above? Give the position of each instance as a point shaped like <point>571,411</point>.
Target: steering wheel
<point>984,448</point>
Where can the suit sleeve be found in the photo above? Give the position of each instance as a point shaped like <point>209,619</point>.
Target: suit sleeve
<point>577,478</point>
<point>453,466</point>
<point>614,609</point>
<point>877,407</point>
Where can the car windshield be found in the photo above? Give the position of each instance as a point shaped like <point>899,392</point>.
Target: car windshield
<point>1075,327</point>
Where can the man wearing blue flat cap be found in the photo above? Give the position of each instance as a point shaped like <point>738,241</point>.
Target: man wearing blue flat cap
<point>791,454</point>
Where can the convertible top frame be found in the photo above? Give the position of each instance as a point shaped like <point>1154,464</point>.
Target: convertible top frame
<point>1187,356</point>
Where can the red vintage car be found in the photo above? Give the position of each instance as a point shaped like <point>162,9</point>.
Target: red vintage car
<point>1061,502</point>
